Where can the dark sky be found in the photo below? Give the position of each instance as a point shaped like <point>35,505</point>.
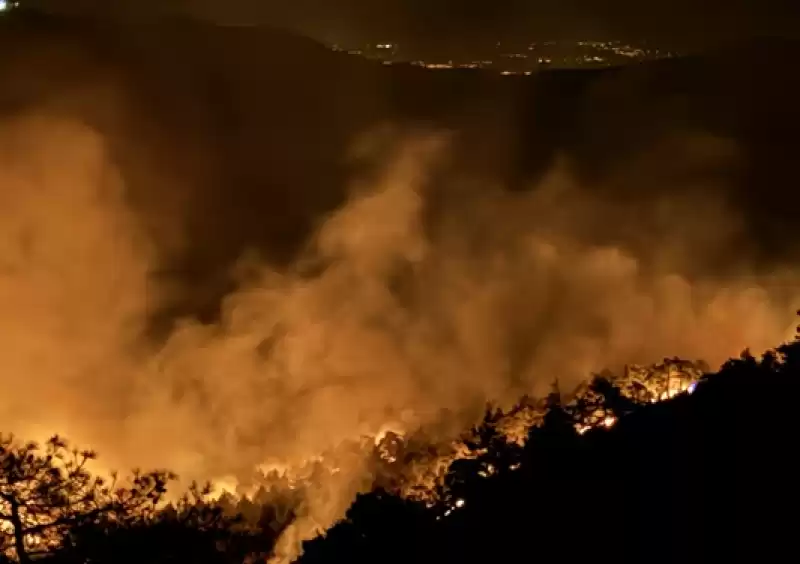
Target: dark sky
<point>696,21</point>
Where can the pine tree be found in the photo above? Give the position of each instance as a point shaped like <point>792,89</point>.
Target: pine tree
<point>46,492</point>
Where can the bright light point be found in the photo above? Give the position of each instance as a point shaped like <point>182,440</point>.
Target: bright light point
<point>460,503</point>
<point>3,5</point>
<point>609,421</point>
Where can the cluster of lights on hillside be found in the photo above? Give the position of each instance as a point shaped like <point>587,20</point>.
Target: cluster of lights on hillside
<point>508,59</point>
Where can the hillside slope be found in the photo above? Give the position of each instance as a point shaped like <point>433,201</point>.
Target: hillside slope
<point>242,132</point>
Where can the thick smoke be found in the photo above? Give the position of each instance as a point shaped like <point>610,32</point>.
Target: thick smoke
<point>73,284</point>
<point>415,303</point>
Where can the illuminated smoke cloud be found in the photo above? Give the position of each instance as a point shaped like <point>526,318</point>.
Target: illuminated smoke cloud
<point>414,304</point>
<point>73,283</point>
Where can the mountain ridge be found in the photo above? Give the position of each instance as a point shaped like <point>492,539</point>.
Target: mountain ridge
<point>246,130</point>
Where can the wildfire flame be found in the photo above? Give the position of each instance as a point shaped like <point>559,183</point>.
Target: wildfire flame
<point>420,474</point>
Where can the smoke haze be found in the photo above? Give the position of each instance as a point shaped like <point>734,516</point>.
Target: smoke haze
<point>418,300</point>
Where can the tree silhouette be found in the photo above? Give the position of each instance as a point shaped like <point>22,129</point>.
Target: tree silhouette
<point>46,493</point>
<point>192,529</point>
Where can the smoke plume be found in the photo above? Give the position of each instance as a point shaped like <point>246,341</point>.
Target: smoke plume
<point>414,303</point>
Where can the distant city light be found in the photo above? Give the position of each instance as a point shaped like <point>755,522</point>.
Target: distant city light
<point>527,60</point>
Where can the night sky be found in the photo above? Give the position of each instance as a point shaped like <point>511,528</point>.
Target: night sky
<point>695,22</point>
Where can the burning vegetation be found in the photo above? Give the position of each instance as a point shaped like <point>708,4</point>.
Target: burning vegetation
<point>52,507</point>
<point>415,468</point>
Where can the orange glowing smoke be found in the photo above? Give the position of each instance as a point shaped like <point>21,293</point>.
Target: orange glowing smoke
<point>414,305</point>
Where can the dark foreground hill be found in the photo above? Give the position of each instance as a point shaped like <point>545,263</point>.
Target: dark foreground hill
<point>700,478</point>
<point>241,132</point>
